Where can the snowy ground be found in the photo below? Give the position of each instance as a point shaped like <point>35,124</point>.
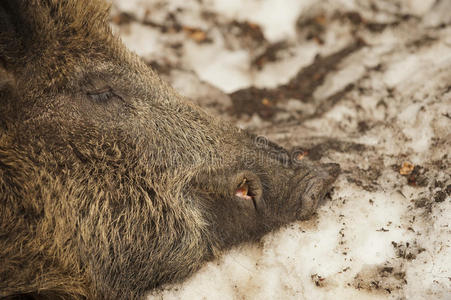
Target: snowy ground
<point>366,84</point>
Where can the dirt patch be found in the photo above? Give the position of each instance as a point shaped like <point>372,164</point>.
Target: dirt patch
<point>319,150</point>
<point>440,196</point>
<point>318,280</point>
<point>407,250</point>
<point>250,34</point>
<point>302,86</point>
<point>270,54</point>
<point>383,279</point>
<point>416,177</point>
<point>313,28</point>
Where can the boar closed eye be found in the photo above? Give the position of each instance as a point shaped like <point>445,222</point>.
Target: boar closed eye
<point>102,95</point>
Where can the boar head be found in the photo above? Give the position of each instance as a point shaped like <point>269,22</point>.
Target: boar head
<point>111,183</point>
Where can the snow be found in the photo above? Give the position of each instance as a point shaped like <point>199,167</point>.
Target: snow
<point>226,69</point>
<point>142,41</point>
<point>282,71</point>
<point>419,7</point>
<point>276,17</point>
<point>378,237</point>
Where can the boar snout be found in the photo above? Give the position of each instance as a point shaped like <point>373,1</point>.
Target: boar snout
<point>311,184</point>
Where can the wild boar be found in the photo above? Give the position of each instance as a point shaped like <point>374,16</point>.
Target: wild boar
<point>111,183</point>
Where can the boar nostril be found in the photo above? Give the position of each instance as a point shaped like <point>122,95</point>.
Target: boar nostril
<point>243,190</point>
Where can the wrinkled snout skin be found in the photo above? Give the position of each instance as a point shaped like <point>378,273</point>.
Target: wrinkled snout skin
<point>112,184</point>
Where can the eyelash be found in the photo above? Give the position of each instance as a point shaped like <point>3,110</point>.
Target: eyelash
<point>102,95</point>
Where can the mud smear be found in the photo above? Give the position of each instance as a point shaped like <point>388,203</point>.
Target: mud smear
<point>319,150</point>
<point>270,54</point>
<point>171,25</point>
<point>263,101</point>
<point>375,27</point>
<point>250,34</point>
<point>383,279</point>
<point>417,178</point>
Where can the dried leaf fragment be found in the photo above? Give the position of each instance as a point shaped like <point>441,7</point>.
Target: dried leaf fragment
<point>196,34</point>
<point>406,168</point>
<point>301,155</point>
<point>266,102</point>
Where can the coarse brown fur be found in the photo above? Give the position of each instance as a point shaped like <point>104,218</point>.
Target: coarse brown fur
<point>112,184</point>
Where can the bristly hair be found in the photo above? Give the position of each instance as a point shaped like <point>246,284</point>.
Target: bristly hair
<point>51,34</point>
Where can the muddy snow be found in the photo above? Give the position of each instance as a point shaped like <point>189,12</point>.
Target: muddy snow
<point>366,84</point>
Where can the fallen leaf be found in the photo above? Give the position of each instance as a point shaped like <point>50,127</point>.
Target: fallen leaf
<point>406,168</point>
